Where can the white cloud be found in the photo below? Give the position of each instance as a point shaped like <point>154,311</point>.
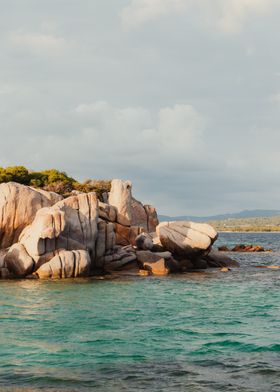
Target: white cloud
<point>37,43</point>
<point>172,131</point>
<point>227,15</point>
<point>141,11</point>
<point>234,13</point>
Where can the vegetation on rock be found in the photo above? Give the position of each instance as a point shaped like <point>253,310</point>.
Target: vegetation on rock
<point>52,180</point>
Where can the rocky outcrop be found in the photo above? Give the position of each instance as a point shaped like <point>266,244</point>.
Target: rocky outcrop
<point>50,237</point>
<point>18,207</point>
<point>186,238</point>
<point>120,197</point>
<point>69,225</point>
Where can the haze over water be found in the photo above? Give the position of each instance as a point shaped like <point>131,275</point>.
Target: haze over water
<point>197,332</point>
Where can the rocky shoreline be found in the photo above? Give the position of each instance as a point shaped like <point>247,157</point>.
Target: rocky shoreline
<point>46,236</point>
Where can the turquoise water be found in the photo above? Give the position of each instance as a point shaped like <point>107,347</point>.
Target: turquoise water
<point>207,331</point>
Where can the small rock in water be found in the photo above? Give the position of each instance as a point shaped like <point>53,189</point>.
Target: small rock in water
<point>225,269</point>
<point>144,272</point>
<point>223,248</point>
<point>268,266</point>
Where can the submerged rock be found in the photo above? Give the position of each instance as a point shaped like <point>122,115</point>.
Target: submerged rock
<point>247,248</point>
<point>243,248</point>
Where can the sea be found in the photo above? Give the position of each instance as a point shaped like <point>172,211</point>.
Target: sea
<point>200,331</point>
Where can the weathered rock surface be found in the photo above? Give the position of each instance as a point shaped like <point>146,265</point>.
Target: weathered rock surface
<point>146,255</point>
<point>126,235</point>
<point>107,212</point>
<point>216,259</point>
<point>152,218</point>
<point>66,264</point>
<point>159,267</point>
<point>70,224</point>
<point>144,216</point>
<point>120,258</point>
<point>186,238</point>
<point>4,272</point>
<point>51,196</point>
<point>18,261</point>
<point>144,242</point>
<point>120,197</point>
<point>138,214</point>
<point>18,207</point>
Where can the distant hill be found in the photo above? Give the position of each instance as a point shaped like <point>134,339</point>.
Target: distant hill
<point>239,215</point>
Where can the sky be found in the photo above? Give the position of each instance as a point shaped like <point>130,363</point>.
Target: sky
<point>180,96</point>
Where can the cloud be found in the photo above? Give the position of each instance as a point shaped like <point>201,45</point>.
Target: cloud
<point>275,98</point>
<point>228,16</point>
<point>137,131</point>
<point>37,43</point>
<point>233,14</point>
<point>139,12</point>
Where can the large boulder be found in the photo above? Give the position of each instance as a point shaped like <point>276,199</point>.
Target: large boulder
<point>18,261</point>
<point>120,197</point>
<point>18,207</point>
<point>185,239</point>
<point>144,242</point>
<point>66,264</point>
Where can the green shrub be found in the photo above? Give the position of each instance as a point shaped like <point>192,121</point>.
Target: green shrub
<point>53,180</point>
<point>15,173</point>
